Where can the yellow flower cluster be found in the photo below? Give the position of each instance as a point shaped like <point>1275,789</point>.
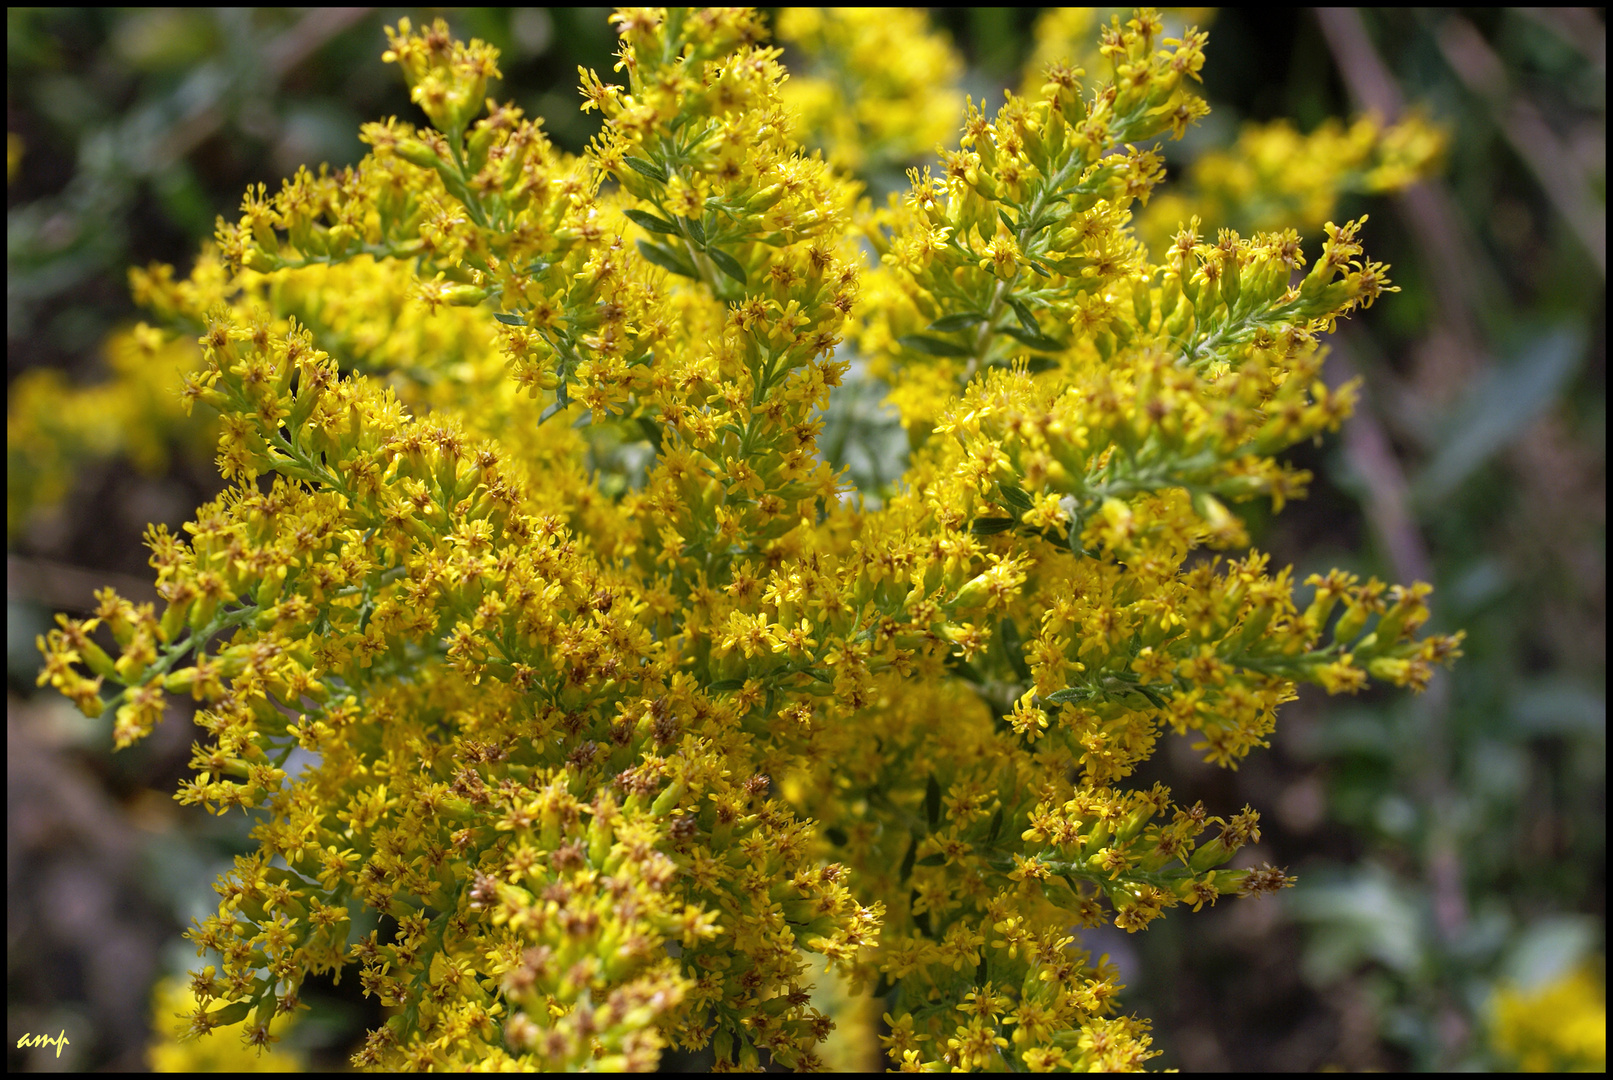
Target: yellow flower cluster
<point>880,88</point>
<point>613,718</point>
<point>1558,1027</point>
<point>136,414</point>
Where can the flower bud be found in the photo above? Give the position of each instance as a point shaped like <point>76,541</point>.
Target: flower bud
<point>981,182</point>
<point>599,840</point>
<point>181,681</point>
<point>201,613</point>
<point>477,146</point>
<point>262,261</point>
<point>271,586</point>
<point>765,199</point>
<point>1389,669</point>
<point>665,801</point>
<point>462,295</point>
<point>173,619</point>
<point>1351,623</point>
<point>973,591</point>
<point>1096,840</point>
<point>417,153</point>
<point>1134,822</point>
<point>1231,282</point>
<point>1209,856</point>
<point>1205,303</point>
<point>1255,624</point>
<point>96,658</point>
<point>1142,301</point>
<point>1188,282</point>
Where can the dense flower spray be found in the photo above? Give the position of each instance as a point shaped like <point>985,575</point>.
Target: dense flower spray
<point>612,705</point>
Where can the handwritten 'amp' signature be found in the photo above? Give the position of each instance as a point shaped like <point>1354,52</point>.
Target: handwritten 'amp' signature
<point>59,1041</point>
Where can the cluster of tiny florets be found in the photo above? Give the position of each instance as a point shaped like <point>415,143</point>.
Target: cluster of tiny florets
<point>603,699</point>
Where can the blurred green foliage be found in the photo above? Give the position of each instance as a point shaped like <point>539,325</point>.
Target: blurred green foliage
<point>1446,845</point>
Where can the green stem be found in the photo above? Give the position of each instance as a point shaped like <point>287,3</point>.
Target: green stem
<point>999,293</point>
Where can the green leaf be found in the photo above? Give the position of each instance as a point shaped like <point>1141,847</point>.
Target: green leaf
<point>996,826</point>
<point>932,860</point>
<point>1015,498</point>
<point>647,168</point>
<point>1155,697</point>
<point>667,259</point>
<point>1053,537</point>
<point>697,232</point>
<point>1500,409</point>
<point>727,264</point>
<point>1558,704</point>
<point>1068,694</point>
<point>1002,215</point>
<point>651,222</point>
<point>230,1014</point>
<point>507,319</point>
<point>652,431</point>
<point>1026,319</point>
<point>1038,364</point>
<point>991,526</point>
<point>907,860</point>
<point>724,685</point>
<point>1034,340</point>
<point>949,324</point>
<point>964,670</point>
<point>922,922</point>
<point>933,346</point>
<point>1038,267</point>
<point>1074,535</point>
<point>932,803</point>
<point>1013,648</point>
<point>562,398</point>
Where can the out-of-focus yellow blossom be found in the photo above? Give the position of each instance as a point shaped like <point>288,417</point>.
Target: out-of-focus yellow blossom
<point>1558,1027</point>
<point>52,429</point>
<point>854,1045</point>
<point>227,1045</point>
<point>880,86</point>
<point>616,709</point>
<point>1275,177</point>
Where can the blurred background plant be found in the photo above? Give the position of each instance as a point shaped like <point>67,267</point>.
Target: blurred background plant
<point>1450,848</point>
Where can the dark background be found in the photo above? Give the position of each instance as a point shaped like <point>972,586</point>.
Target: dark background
<point>1445,844</point>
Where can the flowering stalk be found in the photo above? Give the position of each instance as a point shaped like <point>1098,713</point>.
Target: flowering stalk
<point>609,747</point>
